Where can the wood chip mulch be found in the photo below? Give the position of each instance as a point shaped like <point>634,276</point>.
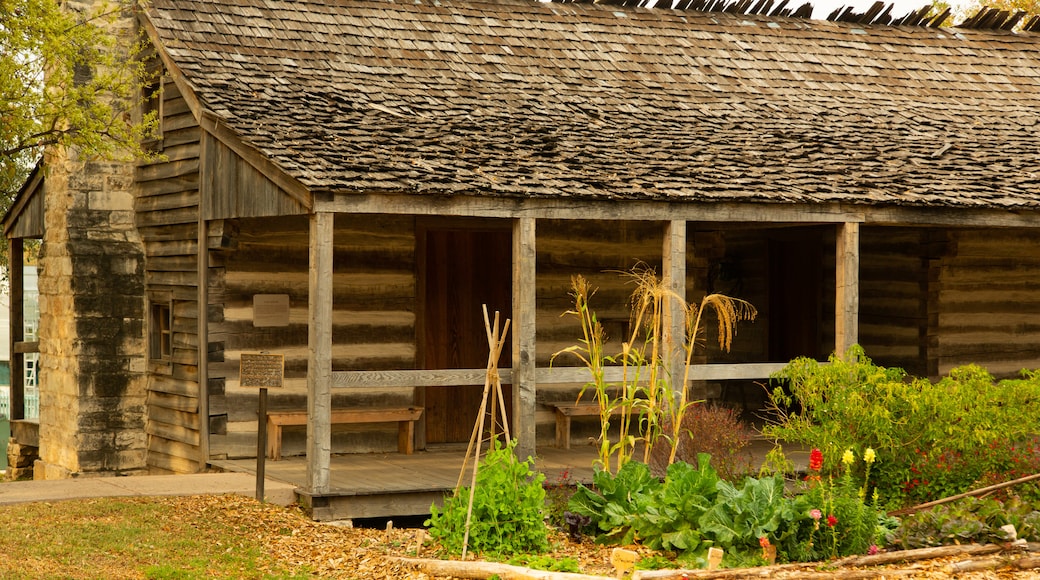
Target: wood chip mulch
<point>335,550</point>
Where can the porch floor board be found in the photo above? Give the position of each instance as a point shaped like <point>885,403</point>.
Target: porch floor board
<point>382,485</point>
<point>394,484</point>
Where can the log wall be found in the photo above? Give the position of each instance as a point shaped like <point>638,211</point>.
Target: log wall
<point>374,305</point>
<point>914,290</point>
<point>373,322</point>
<point>988,294</point>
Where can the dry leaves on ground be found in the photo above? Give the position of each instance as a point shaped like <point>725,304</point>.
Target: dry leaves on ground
<point>291,540</point>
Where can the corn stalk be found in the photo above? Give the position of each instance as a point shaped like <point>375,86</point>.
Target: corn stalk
<point>644,399</point>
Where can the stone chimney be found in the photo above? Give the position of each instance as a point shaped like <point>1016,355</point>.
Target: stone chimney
<point>92,309</point>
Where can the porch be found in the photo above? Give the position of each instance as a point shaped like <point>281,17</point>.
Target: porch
<point>378,485</point>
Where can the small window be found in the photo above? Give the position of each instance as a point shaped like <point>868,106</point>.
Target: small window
<point>161,335</point>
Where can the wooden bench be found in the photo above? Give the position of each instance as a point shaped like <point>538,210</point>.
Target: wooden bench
<point>405,417</point>
<point>565,411</point>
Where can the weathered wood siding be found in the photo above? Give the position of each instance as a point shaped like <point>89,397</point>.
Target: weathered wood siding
<point>989,301</point>
<point>167,217</point>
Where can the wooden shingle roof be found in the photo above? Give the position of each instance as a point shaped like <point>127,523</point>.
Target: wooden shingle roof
<point>530,99</point>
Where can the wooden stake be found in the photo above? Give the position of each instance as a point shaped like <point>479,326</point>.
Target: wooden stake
<point>496,342</point>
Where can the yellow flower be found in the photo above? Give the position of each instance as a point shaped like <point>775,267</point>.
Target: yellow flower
<point>868,455</point>
<point>847,458</point>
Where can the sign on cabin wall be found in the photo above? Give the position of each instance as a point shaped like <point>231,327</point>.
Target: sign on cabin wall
<point>261,370</point>
<point>270,310</point>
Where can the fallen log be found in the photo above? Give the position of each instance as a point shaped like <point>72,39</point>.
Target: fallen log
<point>478,570</point>
<point>780,572</point>
<point>899,556</point>
<point>760,571</point>
<point>481,570</point>
<point>976,565</point>
<point>1027,563</point>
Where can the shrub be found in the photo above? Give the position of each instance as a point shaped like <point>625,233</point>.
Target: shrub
<point>508,509</point>
<point>716,431</point>
<point>960,421</point>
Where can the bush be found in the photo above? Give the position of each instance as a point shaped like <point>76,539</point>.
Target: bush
<point>508,509</point>
<point>954,429</point>
<point>716,431</point>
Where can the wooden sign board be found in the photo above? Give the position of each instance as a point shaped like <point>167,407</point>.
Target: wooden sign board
<point>261,370</point>
<point>270,310</point>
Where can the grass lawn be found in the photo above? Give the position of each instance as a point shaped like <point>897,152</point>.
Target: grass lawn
<point>198,537</point>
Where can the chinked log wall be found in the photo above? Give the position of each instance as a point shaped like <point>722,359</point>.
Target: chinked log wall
<point>901,298</point>
<point>167,218</point>
<point>989,301</point>
<point>374,324</point>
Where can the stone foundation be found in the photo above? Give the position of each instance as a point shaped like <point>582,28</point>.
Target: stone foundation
<point>20,459</point>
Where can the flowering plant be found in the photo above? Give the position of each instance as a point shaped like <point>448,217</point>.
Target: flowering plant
<point>837,518</point>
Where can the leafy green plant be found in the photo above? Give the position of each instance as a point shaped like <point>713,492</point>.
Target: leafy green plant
<point>537,562</point>
<point>960,422</point>
<point>673,518</point>
<point>965,521</point>
<point>508,509</point>
<point>743,515</point>
<point>615,500</point>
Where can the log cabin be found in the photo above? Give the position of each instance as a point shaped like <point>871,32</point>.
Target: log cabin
<point>345,183</point>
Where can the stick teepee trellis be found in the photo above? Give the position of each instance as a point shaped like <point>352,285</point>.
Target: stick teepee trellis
<point>493,387</point>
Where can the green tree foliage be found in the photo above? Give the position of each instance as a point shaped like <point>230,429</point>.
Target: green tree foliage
<point>67,77</point>
<point>1012,6</point>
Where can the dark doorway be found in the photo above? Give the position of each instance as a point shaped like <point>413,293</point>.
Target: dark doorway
<point>462,270</point>
<point>795,278</point>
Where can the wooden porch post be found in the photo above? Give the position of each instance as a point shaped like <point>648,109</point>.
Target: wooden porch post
<point>674,266</point>
<point>523,329</point>
<point>846,301</point>
<point>319,364</point>
<point>16,270</point>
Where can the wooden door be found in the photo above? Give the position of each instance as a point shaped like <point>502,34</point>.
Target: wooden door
<point>464,269</point>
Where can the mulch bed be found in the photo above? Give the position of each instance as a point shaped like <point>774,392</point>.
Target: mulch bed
<point>338,551</point>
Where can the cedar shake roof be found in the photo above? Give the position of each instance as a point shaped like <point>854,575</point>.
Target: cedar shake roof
<point>526,99</point>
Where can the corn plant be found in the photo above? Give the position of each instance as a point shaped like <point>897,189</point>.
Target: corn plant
<point>645,400</point>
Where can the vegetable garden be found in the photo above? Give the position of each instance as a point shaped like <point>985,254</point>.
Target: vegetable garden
<point>882,443</point>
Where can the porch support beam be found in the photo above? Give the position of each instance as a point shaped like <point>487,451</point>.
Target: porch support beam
<point>523,329</point>
<point>846,300</point>
<point>674,266</point>
<point>319,363</point>
<point>692,211</point>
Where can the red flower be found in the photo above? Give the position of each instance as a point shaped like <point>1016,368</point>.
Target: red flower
<point>763,541</point>
<point>831,520</point>
<point>815,459</point>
